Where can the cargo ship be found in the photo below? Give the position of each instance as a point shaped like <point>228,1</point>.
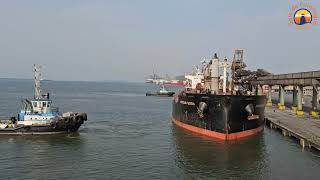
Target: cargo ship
<point>214,106</point>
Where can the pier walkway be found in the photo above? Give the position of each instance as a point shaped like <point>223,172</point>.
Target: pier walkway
<point>305,128</point>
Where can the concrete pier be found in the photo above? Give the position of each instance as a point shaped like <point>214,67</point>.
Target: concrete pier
<point>294,123</point>
<point>304,128</point>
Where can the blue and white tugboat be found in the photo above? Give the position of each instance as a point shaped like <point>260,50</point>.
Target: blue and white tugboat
<point>38,116</point>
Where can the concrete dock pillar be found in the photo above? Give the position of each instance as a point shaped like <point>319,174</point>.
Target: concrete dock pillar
<point>253,89</point>
<point>269,102</point>
<point>295,99</point>
<point>299,101</point>
<point>284,132</point>
<point>256,90</point>
<point>281,97</point>
<point>314,111</point>
<point>302,143</point>
<point>259,90</point>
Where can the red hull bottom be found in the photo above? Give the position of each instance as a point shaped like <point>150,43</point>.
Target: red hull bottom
<point>217,135</point>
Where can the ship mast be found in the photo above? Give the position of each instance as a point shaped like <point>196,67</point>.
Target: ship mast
<point>237,62</point>
<point>237,66</point>
<point>37,79</point>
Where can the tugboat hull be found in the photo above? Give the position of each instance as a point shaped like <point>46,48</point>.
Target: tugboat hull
<point>224,117</point>
<point>65,124</point>
<point>30,130</point>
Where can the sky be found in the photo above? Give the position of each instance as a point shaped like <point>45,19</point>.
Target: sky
<point>126,40</point>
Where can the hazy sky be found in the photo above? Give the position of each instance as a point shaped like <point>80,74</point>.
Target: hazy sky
<point>127,40</point>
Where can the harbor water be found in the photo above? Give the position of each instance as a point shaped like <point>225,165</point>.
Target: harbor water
<point>130,136</point>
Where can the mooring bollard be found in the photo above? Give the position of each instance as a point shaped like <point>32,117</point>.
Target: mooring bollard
<point>302,143</point>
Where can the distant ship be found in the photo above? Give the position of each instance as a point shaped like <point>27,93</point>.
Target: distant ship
<point>162,92</point>
<point>38,115</point>
<point>208,107</point>
<point>156,79</point>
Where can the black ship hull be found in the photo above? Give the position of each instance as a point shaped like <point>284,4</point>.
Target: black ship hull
<point>225,117</point>
<point>169,94</point>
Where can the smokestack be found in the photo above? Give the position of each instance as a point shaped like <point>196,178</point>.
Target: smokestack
<point>225,64</point>
<point>215,74</point>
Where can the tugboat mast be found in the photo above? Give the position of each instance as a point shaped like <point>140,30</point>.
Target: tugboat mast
<point>37,78</point>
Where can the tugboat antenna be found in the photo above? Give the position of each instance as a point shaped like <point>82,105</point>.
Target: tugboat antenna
<point>37,79</point>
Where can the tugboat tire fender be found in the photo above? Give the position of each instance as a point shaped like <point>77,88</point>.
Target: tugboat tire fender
<point>66,120</point>
<point>84,116</point>
<point>75,118</point>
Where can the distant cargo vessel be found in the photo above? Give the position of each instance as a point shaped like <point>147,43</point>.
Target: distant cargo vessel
<point>212,106</point>
<point>155,79</point>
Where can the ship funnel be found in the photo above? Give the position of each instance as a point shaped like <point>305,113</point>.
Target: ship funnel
<point>215,56</point>
<point>215,74</point>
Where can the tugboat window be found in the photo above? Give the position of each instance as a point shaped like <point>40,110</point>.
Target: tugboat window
<point>34,104</point>
<point>44,104</point>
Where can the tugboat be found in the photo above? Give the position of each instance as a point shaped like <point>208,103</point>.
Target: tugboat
<point>208,107</point>
<point>163,92</point>
<point>38,116</point>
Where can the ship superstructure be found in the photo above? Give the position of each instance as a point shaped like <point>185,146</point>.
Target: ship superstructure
<point>38,110</point>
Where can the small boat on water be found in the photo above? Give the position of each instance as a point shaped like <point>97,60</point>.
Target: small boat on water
<point>38,116</point>
<point>162,92</point>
